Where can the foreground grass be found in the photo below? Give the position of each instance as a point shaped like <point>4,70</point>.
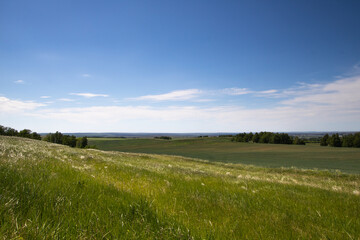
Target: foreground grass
<point>215,149</point>
<point>52,191</point>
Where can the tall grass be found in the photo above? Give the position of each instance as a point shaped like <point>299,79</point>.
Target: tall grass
<point>51,191</point>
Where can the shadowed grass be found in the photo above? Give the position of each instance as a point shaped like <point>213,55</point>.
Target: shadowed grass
<point>52,191</point>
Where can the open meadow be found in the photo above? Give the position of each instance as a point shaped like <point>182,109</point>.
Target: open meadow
<point>216,149</point>
<point>51,191</point>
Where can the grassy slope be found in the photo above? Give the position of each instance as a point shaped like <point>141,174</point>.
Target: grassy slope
<point>52,191</point>
<point>223,150</point>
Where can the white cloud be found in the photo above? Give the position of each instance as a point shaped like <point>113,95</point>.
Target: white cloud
<point>198,119</point>
<point>19,81</point>
<point>340,94</point>
<point>242,91</point>
<point>268,91</point>
<point>45,97</point>
<point>66,99</point>
<point>89,95</point>
<point>320,107</point>
<point>236,91</point>
<point>178,95</point>
<point>86,75</point>
<point>9,106</point>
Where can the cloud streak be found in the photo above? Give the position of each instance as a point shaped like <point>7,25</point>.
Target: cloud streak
<point>179,95</point>
<point>19,81</point>
<point>89,95</point>
<point>235,91</point>
<point>66,99</point>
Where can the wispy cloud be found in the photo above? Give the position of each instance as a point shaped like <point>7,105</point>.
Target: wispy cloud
<point>66,99</point>
<point>86,75</point>
<point>235,91</point>
<point>89,95</point>
<point>342,94</point>
<point>271,91</point>
<point>178,95</point>
<point>19,81</point>
<point>45,97</point>
<point>242,91</point>
<point>221,118</point>
<point>8,105</point>
<point>329,106</point>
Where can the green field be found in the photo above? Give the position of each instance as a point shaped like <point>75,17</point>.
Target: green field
<point>50,191</point>
<point>309,156</point>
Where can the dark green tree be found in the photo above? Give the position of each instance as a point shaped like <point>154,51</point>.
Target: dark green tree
<point>69,140</point>
<point>81,142</point>
<point>26,133</point>
<point>356,141</point>
<point>35,135</point>
<point>256,138</point>
<point>84,142</point>
<point>335,140</point>
<point>11,132</point>
<point>324,140</point>
<point>2,130</point>
<point>298,141</point>
<point>275,138</point>
<point>348,140</point>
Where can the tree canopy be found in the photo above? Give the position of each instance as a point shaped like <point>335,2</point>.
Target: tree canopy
<point>267,137</point>
<point>26,133</point>
<point>335,140</point>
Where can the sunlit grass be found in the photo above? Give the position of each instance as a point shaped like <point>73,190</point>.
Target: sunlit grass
<point>53,191</point>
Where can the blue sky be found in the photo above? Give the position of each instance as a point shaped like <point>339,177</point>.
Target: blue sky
<point>180,66</point>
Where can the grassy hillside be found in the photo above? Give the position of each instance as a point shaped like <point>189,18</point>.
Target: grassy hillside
<point>51,191</point>
<point>223,150</point>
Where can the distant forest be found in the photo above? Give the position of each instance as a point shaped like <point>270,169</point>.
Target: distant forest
<point>267,137</point>
<point>58,137</point>
<point>349,140</point>
<point>26,133</point>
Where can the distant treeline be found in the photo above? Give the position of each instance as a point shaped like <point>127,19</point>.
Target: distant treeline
<point>267,137</point>
<point>69,140</point>
<point>26,133</point>
<point>226,135</point>
<point>57,137</point>
<point>350,140</point>
<point>163,137</point>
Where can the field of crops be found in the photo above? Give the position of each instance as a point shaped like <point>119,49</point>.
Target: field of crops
<point>309,156</point>
<point>51,191</point>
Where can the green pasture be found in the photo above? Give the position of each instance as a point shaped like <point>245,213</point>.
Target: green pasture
<point>50,191</point>
<point>309,156</point>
